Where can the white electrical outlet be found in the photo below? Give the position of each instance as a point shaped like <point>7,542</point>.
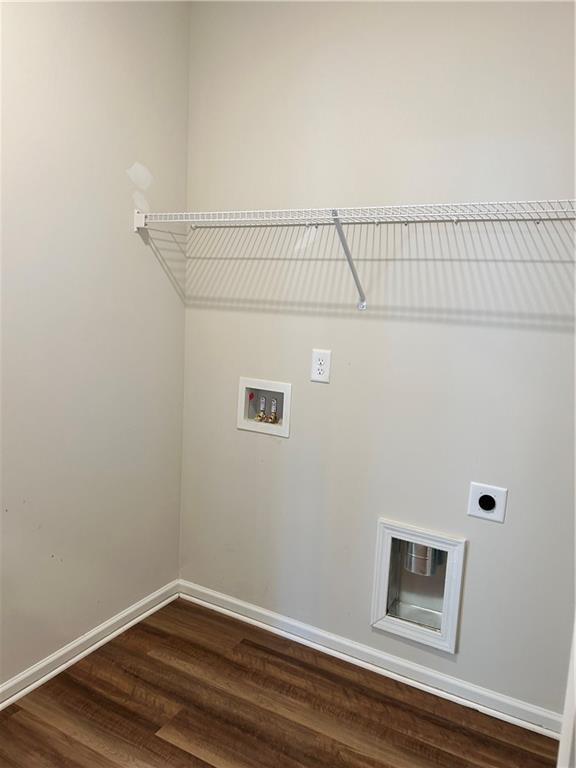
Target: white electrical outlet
<point>487,502</point>
<point>320,370</point>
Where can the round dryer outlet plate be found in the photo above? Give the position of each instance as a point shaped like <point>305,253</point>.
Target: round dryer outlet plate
<point>487,502</point>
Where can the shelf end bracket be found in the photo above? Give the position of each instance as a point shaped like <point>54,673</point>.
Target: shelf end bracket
<point>139,221</point>
<point>362,305</point>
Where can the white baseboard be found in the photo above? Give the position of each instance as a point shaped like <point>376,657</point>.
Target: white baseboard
<point>490,702</point>
<point>39,673</point>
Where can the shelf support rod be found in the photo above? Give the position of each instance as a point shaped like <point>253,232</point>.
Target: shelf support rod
<point>362,305</point>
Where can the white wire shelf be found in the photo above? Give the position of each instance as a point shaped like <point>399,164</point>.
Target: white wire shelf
<point>533,210</point>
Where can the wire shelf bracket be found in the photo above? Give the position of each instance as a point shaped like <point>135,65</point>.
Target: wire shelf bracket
<point>362,305</point>
<point>534,211</point>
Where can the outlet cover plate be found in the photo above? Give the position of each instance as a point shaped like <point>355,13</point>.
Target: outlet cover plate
<point>499,496</point>
<point>320,367</point>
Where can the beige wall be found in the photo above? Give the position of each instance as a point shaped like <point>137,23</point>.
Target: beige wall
<point>92,332</point>
<point>460,370</point>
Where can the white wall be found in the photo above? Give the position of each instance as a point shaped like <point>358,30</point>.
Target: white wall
<point>92,330</point>
<point>459,371</point>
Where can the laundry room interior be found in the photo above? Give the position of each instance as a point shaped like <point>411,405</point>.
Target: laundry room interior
<point>287,384</point>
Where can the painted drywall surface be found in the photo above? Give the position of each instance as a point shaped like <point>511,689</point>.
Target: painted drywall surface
<point>92,330</point>
<point>459,371</point>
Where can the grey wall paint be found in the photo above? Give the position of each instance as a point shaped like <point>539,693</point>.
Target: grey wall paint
<point>454,374</point>
<point>92,332</point>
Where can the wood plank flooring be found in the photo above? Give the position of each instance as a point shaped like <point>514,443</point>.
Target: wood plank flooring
<point>191,688</point>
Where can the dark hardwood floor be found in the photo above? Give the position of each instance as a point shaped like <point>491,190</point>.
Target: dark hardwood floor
<point>191,688</point>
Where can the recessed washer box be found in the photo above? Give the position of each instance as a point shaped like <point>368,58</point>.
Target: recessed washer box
<point>264,406</point>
